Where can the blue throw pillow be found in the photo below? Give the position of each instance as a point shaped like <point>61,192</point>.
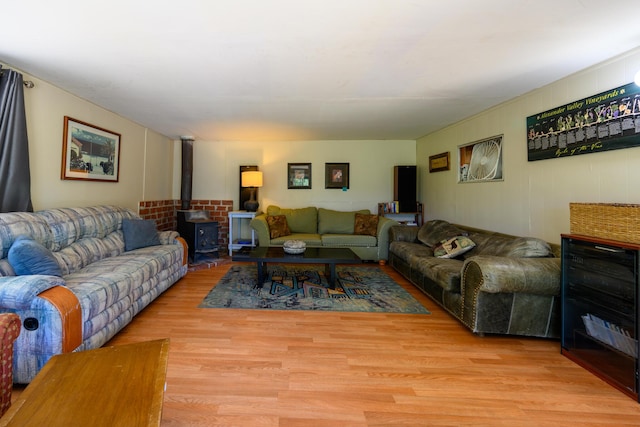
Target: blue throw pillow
<point>139,233</point>
<point>28,256</point>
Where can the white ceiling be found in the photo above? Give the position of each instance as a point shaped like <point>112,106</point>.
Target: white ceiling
<point>238,70</point>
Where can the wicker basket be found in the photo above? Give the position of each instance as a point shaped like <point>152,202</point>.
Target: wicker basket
<point>612,221</point>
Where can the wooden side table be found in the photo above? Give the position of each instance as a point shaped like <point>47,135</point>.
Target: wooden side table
<point>111,386</point>
<point>406,218</point>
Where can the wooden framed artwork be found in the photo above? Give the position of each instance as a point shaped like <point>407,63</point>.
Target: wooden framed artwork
<point>439,162</point>
<point>480,161</point>
<point>89,152</point>
<point>299,175</point>
<point>336,175</point>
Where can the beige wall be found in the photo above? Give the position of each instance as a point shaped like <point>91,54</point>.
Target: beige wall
<point>216,170</point>
<point>146,158</point>
<point>534,197</point>
<point>150,163</point>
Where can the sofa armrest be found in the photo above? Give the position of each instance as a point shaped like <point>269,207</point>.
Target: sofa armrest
<point>261,227</point>
<point>168,237</point>
<point>173,238</point>
<point>18,292</point>
<point>492,274</point>
<point>384,225</point>
<point>9,331</point>
<point>403,233</point>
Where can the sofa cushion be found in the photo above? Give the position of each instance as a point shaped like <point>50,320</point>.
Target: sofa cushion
<point>139,233</point>
<point>435,231</point>
<point>301,220</point>
<point>528,247</point>
<point>310,239</point>
<point>445,273</point>
<point>366,224</point>
<point>27,256</point>
<point>512,247</point>
<point>278,226</point>
<point>337,222</point>
<point>69,225</point>
<point>348,240</point>
<point>453,247</point>
<point>405,250</point>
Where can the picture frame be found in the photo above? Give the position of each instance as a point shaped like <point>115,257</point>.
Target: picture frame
<point>600,122</point>
<point>439,162</point>
<point>89,152</point>
<point>336,175</point>
<point>480,161</point>
<point>299,176</point>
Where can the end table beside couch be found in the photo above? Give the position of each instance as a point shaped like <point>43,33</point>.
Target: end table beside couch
<point>493,283</point>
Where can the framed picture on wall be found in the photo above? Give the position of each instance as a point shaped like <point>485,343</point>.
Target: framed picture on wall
<point>336,175</point>
<point>89,152</point>
<point>299,175</point>
<point>480,161</point>
<point>439,162</point>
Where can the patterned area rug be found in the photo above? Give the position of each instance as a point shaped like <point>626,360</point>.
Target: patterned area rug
<point>304,287</point>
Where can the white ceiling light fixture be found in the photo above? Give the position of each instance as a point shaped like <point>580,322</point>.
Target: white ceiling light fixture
<point>636,78</point>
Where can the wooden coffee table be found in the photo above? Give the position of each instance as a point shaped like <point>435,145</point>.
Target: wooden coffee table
<point>327,256</point>
<point>110,386</point>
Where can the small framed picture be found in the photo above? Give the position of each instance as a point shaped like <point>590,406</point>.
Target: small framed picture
<point>299,175</point>
<point>336,175</point>
<point>439,162</point>
<point>89,152</point>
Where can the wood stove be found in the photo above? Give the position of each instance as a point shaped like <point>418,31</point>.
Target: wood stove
<point>200,232</point>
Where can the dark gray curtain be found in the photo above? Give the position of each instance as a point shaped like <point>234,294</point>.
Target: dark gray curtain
<point>15,176</point>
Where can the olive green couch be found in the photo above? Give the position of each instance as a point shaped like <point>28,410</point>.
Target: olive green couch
<point>504,285</point>
<point>319,227</point>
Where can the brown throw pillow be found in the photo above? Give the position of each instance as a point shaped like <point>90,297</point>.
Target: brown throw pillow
<point>278,226</point>
<point>366,224</point>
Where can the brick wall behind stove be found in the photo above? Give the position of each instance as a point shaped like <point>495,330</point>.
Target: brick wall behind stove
<point>163,212</point>
<point>165,216</point>
<point>218,211</point>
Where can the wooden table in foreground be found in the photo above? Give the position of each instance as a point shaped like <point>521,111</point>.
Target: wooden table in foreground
<point>111,386</point>
<point>327,256</point>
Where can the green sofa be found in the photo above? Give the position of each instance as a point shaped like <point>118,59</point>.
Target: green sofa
<point>503,285</point>
<point>319,227</point>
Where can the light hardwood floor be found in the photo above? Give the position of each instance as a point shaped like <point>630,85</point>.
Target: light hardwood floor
<point>298,368</point>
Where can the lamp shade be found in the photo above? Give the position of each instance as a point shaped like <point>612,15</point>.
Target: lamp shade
<point>252,179</point>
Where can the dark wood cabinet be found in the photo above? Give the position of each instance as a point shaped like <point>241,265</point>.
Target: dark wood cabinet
<point>600,308</point>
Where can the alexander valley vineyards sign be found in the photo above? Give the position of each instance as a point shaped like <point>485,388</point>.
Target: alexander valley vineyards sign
<point>606,121</point>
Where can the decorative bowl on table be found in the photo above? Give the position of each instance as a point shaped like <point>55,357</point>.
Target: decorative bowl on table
<point>294,247</point>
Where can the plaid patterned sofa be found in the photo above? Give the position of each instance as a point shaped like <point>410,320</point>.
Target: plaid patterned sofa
<point>101,288</point>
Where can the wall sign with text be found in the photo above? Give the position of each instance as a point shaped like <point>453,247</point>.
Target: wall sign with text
<point>607,121</point>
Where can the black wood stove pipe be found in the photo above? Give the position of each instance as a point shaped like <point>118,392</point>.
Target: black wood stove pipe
<point>187,172</point>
